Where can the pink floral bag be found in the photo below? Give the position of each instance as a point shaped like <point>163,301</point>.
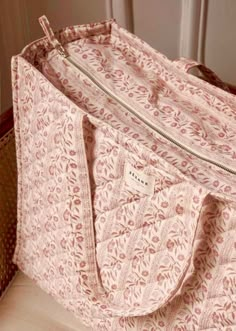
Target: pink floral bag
<point>126,181</point>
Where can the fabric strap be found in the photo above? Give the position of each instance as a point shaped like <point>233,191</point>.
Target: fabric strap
<point>187,64</point>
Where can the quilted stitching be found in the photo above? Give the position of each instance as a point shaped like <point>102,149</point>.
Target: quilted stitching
<point>98,246</point>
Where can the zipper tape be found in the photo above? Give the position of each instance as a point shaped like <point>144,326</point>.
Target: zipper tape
<point>43,21</point>
<point>147,122</point>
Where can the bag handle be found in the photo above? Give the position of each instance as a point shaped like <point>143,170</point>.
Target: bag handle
<point>209,75</point>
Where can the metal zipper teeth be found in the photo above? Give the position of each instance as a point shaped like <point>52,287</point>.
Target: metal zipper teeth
<point>153,127</point>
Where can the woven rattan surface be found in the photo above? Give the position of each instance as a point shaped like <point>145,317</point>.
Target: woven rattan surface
<point>7,208</point>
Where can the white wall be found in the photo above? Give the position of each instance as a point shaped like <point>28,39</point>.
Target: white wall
<point>220,42</point>
<point>158,23</point>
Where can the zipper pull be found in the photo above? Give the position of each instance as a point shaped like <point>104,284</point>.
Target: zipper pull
<point>43,21</point>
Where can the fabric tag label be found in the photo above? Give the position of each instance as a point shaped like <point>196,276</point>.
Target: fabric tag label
<point>139,180</point>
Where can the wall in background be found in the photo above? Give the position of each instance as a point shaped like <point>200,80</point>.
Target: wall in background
<point>12,38</point>
<point>220,41</point>
<point>158,23</point>
<point>63,13</point>
<point>200,29</point>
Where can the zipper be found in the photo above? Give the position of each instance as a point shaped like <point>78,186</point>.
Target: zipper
<point>107,91</point>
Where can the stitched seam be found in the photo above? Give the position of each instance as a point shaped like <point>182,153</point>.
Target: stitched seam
<point>138,228</point>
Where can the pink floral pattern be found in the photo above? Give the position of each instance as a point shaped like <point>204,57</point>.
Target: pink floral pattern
<point>116,257</point>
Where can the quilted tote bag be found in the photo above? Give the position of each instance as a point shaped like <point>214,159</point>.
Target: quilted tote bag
<point>126,181</point>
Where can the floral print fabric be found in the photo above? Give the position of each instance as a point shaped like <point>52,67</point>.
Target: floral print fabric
<point>115,255</point>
